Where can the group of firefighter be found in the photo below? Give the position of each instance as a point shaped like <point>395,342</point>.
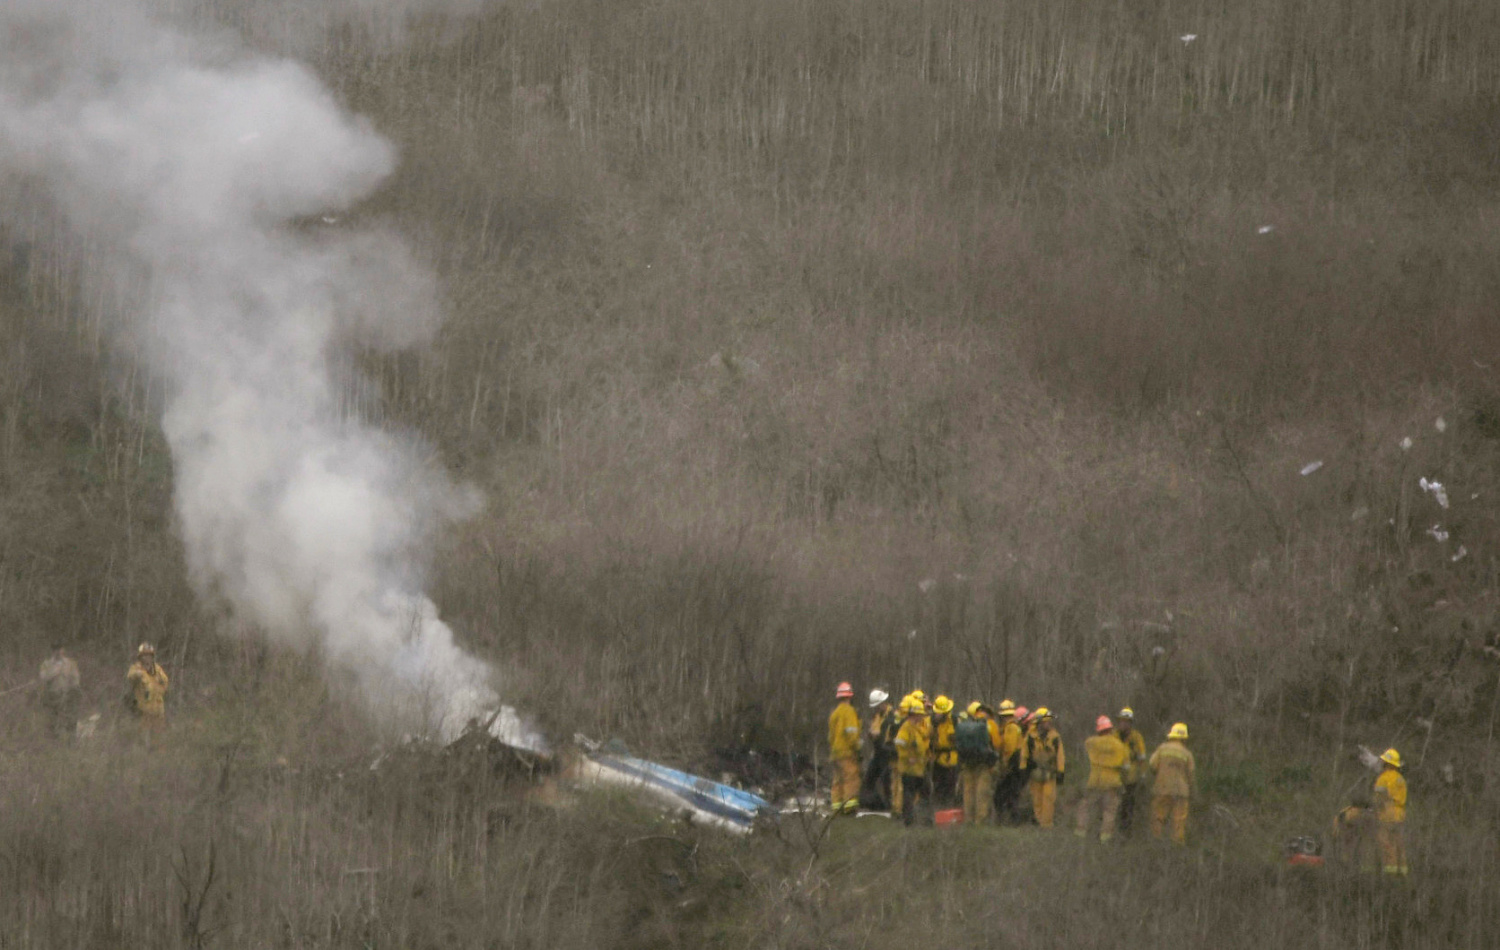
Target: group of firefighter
<point>925,755</point>
<point>146,685</point>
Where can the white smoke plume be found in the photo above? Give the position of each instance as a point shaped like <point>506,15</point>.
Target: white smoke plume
<point>192,161</point>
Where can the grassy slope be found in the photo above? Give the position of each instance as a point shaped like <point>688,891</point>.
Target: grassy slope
<point>988,299</point>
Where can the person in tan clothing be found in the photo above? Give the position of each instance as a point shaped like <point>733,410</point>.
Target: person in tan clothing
<point>1044,750</point>
<point>1172,765</point>
<point>61,692</point>
<point>147,698</point>
<point>1108,757</point>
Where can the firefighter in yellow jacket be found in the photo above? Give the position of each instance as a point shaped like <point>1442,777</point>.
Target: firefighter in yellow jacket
<point>148,692</point>
<point>1134,770</point>
<point>1044,750</point>
<point>1389,799</point>
<point>1173,766</point>
<point>1108,757</point>
<point>879,735</point>
<point>977,739</point>
<point>944,754</point>
<point>843,751</point>
<point>912,760</point>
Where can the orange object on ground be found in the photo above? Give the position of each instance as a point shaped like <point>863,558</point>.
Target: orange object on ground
<point>949,816</point>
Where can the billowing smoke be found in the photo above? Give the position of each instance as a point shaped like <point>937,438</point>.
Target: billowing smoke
<point>196,164</point>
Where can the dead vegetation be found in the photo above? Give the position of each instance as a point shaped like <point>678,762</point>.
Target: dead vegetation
<point>965,345</point>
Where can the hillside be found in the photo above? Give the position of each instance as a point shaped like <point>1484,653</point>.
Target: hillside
<point>1002,349</point>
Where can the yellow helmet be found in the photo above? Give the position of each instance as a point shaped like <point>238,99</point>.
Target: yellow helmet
<point>1178,731</point>
<point>1391,757</point>
<point>974,707</point>
<point>1126,713</point>
<point>1007,708</point>
<point>918,694</point>
<point>144,649</point>
<point>942,705</point>
<point>1041,713</point>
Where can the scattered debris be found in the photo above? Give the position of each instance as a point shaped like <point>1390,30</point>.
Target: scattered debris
<point>1359,514</point>
<point>926,584</point>
<point>1303,851</point>
<point>1265,229</point>
<point>1406,444</point>
<point>698,798</point>
<point>734,365</point>
<point>1441,424</point>
<point>1311,467</point>
<point>1187,38</point>
<point>1437,533</point>
<point>1463,552</point>
<point>1436,489</point>
<point>88,727</point>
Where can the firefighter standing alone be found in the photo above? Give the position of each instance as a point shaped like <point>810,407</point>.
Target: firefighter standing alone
<point>147,698</point>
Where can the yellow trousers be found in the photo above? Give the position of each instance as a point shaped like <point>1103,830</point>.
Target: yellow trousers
<point>1173,807</point>
<point>979,793</point>
<point>1392,838</point>
<point>1106,801</point>
<point>844,791</point>
<point>1044,802</point>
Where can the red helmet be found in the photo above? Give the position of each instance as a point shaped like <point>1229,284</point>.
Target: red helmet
<point>845,691</point>
<point>1022,714</point>
<point>1102,724</point>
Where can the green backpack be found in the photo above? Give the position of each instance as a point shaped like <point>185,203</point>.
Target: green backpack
<point>971,737</point>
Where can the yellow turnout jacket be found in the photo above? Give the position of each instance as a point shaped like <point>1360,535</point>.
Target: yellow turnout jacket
<point>148,689</point>
<point>911,746</point>
<point>1107,757</point>
<point>1390,796</point>
<point>843,732</point>
<point>1173,765</point>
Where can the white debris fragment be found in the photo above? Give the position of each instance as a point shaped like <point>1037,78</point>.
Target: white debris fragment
<point>911,634</point>
<point>1265,229</point>
<point>1463,552</point>
<point>330,219</point>
<point>1436,489</point>
<point>1359,514</point>
<point>1187,38</point>
<point>1406,443</point>
<point>926,584</point>
<point>1440,424</point>
<point>1437,533</point>
<point>1311,467</point>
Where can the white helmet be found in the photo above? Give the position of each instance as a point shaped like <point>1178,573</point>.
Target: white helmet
<point>878,696</point>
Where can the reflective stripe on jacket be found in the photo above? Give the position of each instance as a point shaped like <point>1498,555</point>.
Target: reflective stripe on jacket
<point>843,732</point>
<point>1046,755</point>
<point>911,746</point>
